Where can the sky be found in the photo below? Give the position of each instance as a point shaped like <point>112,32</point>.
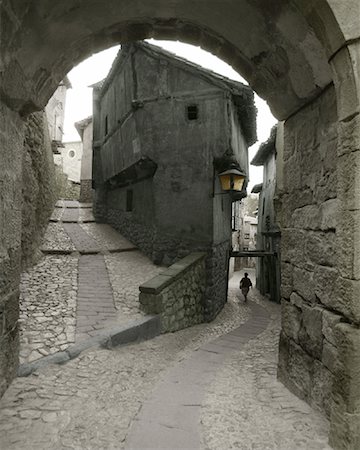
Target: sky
<point>79,98</point>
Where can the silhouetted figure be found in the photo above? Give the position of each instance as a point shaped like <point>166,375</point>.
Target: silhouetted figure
<point>245,285</point>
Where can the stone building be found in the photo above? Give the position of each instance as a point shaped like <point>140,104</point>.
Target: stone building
<point>55,113</point>
<point>69,160</point>
<point>163,129</point>
<point>268,232</point>
<point>85,130</point>
<point>303,58</point>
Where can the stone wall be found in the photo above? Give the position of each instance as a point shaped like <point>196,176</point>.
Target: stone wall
<point>217,280</point>
<point>311,304</point>
<point>65,188</point>
<point>26,203</point>
<point>38,186</point>
<point>165,248</point>
<point>177,294</point>
<point>86,191</point>
<point>11,145</point>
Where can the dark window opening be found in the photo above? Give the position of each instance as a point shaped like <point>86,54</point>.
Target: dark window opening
<point>129,200</point>
<point>106,125</point>
<point>192,112</point>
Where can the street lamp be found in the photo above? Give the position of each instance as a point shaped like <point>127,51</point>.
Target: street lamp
<point>232,179</point>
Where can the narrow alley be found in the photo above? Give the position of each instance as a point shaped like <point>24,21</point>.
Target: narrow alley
<point>211,386</point>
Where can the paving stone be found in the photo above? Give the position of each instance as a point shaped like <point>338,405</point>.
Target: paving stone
<point>70,215</point>
<point>107,237</point>
<point>82,241</point>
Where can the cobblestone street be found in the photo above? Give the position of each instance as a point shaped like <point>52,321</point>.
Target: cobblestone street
<point>212,385</point>
<point>87,280</point>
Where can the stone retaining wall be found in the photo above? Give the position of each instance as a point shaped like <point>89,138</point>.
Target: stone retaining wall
<point>164,248</point>
<point>177,294</point>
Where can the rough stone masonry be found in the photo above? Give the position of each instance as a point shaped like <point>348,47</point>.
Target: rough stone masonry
<point>303,58</point>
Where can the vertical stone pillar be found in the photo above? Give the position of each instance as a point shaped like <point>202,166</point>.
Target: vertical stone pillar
<point>345,414</point>
<point>11,148</point>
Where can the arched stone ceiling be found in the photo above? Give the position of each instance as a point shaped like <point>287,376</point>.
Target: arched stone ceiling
<point>273,44</point>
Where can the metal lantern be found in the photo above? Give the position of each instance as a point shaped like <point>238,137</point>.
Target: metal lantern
<point>232,179</point>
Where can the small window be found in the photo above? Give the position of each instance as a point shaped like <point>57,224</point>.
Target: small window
<point>246,235</point>
<point>106,125</point>
<point>129,200</point>
<point>71,154</point>
<point>192,112</point>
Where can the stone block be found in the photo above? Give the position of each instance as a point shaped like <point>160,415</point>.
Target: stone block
<point>345,65</point>
<point>347,298</point>
<point>344,430</point>
<point>151,304</point>
<point>321,388</point>
<point>303,283</point>
<point>348,243</point>
<point>347,370</point>
<point>296,300</point>
<point>329,356</point>
<point>295,367</point>
<point>310,334</point>
<point>290,320</point>
<point>286,279</point>
<point>325,279</point>
<point>320,248</point>
<point>349,135</point>
<point>330,319</point>
<point>293,246</point>
<point>317,217</point>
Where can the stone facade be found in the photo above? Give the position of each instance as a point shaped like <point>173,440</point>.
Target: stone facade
<point>312,309</point>
<point>162,127</point>
<point>177,294</point>
<point>85,130</point>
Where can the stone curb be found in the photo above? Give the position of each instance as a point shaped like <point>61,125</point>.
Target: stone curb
<point>88,252</point>
<point>135,331</point>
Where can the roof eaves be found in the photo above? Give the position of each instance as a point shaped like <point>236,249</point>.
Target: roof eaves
<point>265,149</point>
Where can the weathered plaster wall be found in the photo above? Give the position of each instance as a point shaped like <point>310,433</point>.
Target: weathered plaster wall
<point>311,304</point>
<point>38,185</point>
<point>86,191</point>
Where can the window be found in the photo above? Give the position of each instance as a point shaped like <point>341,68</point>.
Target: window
<point>129,200</point>
<point>106,126</point>
<point>71,154</point>
<point>246,235</point>
<point>192,112</point>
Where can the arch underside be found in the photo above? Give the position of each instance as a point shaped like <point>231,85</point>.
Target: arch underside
<point>271,44</point>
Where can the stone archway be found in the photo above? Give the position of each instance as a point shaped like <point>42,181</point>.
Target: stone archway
<point>303,59</point>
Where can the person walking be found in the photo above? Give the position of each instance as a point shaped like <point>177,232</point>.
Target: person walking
<point>245,285</point>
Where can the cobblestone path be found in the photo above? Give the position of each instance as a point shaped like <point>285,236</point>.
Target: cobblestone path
<point>97,400</point>
<point>88,279</point>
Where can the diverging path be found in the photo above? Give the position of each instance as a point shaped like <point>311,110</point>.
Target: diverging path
<point>170,418</point>
<point>87,281</point>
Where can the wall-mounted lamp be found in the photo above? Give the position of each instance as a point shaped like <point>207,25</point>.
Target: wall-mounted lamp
<point>232,179</point>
